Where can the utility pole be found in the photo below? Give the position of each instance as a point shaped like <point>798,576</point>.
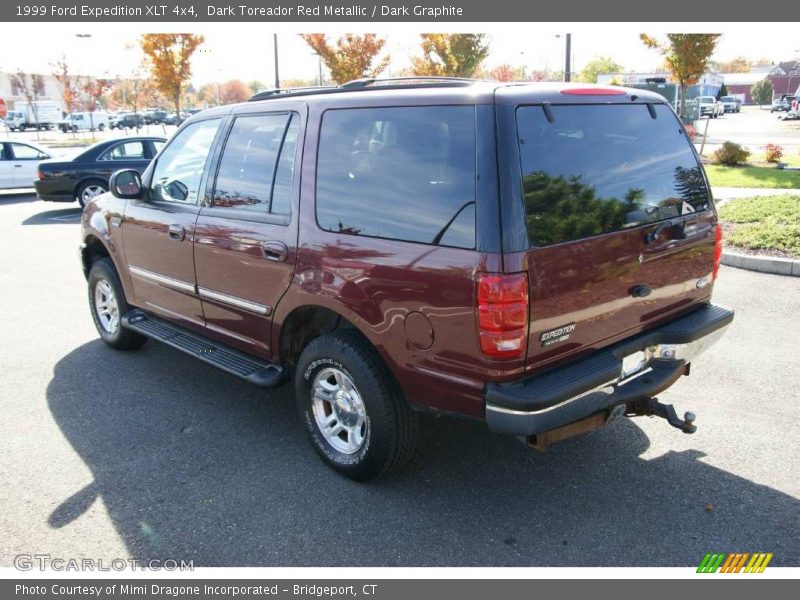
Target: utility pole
<point>275,47</point>
<point>568,52</point>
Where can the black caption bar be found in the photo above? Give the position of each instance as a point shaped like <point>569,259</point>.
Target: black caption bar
<point>378,11</point>
<point>386,589</point>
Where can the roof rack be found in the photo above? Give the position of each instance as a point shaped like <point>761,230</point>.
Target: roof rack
<point>366,84</point>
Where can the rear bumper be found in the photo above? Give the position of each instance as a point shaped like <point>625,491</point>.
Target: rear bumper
<point>47,191</point>
<point>581,388</point>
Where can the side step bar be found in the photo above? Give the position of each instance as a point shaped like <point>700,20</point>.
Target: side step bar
<point>252,369</point>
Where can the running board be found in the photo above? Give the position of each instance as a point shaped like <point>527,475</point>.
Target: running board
<point>251,369</point>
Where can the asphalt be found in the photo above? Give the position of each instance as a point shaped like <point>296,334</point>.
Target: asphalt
<point>151,454</point>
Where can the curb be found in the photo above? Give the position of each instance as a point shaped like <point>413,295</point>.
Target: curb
<point>762,264</point>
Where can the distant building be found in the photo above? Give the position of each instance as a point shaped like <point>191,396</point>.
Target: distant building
<point>785,79</point>
<point>49,90</point>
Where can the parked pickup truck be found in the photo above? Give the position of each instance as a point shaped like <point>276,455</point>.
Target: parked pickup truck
<point>540,257</point>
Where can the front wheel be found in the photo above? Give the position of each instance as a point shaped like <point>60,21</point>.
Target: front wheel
<point>354,413</point>
<point>108,305</point>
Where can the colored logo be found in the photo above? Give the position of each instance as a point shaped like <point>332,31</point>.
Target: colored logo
<point>735,562</point>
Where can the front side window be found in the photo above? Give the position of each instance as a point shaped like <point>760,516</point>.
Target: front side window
<point>125,151</point>
<point>25,152</point>
<point>601,168</point>
<point>404,173</point>
<point>180,167</point>
<point>250,170</point>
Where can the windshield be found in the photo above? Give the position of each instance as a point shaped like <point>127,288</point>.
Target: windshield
<point>601,168</point>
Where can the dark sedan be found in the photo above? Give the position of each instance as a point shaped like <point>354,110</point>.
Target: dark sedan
<point>86,175</point>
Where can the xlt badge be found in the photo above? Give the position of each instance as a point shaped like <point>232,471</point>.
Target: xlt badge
<point>559,334</point>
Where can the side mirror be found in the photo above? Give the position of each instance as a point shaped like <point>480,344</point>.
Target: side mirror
<point>126,184</point>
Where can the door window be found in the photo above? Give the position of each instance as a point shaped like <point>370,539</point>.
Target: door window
<point>125,151</point>
<point>25,152</point>
<point>250,175</point>
<point>179,169</point>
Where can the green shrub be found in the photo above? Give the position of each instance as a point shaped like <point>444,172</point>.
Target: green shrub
<point>730,154</point>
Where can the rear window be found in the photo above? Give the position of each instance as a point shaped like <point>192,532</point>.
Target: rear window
<point>405,173</point>
<point>602,168</point>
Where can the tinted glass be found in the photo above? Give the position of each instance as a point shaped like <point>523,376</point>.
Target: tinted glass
<point>247,168</point>
<point>284,174</point>
<point>601,168</point>
<point>125,151</point>
<point>399,173</point>
<point>25,152</point>
<point>180,167</point>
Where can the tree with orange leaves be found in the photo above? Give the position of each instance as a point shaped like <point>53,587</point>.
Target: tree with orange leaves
<point>351,56</point>
<point>451,54</point>
<point>170,62</point>
<point>686,56</point>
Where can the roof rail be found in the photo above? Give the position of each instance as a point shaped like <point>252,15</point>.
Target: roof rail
<point>411,80</point>
<point>264,94</point>
<point>365,84</point>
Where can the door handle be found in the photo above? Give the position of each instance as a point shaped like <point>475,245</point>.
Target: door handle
<point>276,251</point>
<point>17,166</point>
<point>177,232</point>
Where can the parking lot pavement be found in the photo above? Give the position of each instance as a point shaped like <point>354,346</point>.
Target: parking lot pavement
<point>152,454</point>
<point>753,128</point>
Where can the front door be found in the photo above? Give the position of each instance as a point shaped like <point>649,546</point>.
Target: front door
<point>25,163</point>
<point>158,230</point>
<point>246,235</point>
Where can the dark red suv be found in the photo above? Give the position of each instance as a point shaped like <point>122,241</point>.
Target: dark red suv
<point>540,256</point>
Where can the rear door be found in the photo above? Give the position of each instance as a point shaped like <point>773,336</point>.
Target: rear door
<point>246,233</point>
<point>618,220</point>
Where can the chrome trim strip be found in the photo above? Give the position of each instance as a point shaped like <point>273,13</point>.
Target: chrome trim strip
<point>169,282</point>
<point>511,411</point>
<point>253,307</point>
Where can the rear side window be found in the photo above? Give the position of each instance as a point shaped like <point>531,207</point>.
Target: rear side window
<point>125,151</point>
<point>405,173</point>
<point>602,168</point>
<point>250,176</point>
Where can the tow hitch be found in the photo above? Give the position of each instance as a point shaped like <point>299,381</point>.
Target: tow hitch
<point>651,407</point>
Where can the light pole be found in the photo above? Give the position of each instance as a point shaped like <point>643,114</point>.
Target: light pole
<point>275,49</point>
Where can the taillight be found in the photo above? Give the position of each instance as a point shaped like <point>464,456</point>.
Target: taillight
<point>40,174</point>
<point>717,250</point>
<point>503,314</point>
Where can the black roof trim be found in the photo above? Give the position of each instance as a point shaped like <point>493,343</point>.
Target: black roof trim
<point>366,84</point>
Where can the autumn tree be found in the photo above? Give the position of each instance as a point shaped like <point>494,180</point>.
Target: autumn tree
<point>67,83</point>
<point>351,56</point>
<point>762,92</point>
<point>170,62</point>
<point>233,91</point>
<point>502,73</point>
<point>738,65</point>
<point>451,54</point>
<point>601,65</point>
<point>30,86</point>
<point>686,56</point>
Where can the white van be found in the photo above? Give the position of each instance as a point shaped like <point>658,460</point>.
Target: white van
<point>90,121</point>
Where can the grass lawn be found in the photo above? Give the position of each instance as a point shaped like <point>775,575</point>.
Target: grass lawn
<point>752,177</point>
<point>770,223</point>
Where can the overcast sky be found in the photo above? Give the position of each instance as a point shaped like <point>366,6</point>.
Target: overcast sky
<point>244,51</point>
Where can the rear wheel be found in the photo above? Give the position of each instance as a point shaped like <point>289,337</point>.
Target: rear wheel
<point>89,190</point>
<point>353,411</point>
<point>108,305</point>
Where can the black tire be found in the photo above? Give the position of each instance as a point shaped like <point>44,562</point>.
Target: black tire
<point>82,189</point>
<point>101,127</point>
<point>390,427</point>
<point>121,338</point>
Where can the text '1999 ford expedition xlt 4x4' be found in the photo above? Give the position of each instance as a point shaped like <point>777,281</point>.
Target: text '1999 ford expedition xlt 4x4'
<point>538,256</point>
